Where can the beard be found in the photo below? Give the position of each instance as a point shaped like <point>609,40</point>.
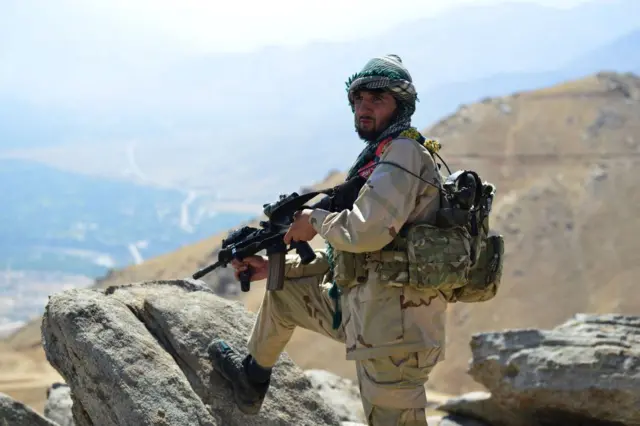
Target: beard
<point>368,136</point>
<point>377,128</point>
<point>371,135</point>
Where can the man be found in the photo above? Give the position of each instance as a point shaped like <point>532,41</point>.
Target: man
<point>394,332</point>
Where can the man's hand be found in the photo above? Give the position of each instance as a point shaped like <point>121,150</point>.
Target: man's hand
<point>258,264</point>
<point>301,229</point>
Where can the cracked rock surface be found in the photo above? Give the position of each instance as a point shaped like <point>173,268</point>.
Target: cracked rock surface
<point>15,413</point>
<point>583,372</point>
<point>342,394</point>
<point>136,355</point>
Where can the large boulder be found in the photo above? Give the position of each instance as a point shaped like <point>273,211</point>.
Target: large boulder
<point>586,372</point>
<point>14,413</point>
<point>137,355</point>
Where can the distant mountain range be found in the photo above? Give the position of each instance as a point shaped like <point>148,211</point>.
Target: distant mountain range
<point>620,55</point>
<point>281,102</point>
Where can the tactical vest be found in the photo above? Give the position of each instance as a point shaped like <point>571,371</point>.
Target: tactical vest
<point>457,256</point>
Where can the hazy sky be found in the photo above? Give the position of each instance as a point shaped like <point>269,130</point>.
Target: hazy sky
<point>62,49</point>
<point>245,24</point>
<point>201,25</point>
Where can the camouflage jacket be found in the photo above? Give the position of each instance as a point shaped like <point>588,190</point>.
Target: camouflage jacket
<point>382,319</point>
<point>390,198</point>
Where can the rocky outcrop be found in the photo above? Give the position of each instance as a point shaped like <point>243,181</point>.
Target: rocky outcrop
<point>341,394</point>
<point>58,406</point>
<point>14,413</point>
<point>344,396</point>
<point>454,420</point>
<point>136,355</point>
<point>584,372</point>
<point>628,83</point>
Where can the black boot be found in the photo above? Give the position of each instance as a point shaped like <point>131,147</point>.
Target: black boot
<point>250,381</point>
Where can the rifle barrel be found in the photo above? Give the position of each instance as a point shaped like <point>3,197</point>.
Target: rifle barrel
<point>204,271</point>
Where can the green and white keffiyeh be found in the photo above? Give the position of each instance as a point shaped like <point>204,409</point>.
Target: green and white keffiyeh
<point>387,73</point>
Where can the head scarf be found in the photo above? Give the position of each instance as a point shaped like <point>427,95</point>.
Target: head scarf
<point>387,73</point>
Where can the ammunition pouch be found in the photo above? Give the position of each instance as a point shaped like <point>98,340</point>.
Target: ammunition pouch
<point>454,256</point>
<point>440,259</point>
<point>435,259</point>
<point>486,275</point>
<point>349,268</point>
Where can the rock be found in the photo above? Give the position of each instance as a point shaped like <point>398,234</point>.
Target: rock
<point>586,371</point>
<point>628,84</point>
<point>58,406</point>
<point>340,393</point>
<point>14,413</point>
<point>606,119</point>
<point>480,406</point>
<point>454,420</point>
<point>598,173</point>
<point>505,108</point>
<point>136,355</point>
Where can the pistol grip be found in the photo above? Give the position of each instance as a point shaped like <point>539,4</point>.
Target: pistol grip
<point>245,279</point>
<point>275,277</point>
<point>305,251</point>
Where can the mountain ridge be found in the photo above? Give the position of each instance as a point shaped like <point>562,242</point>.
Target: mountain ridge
<point>183,150</point>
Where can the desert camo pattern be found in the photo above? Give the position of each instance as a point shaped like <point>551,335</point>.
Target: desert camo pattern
<point>391,387</point>
<point>384,317</point>
<point>394,332</point>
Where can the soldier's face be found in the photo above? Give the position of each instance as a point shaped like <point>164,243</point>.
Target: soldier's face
<point>373,113</point>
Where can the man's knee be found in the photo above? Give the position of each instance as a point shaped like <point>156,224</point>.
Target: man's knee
<point>393,386</point>
<point>274,325</point>
<point>285,305</point>
<point>283,310</point>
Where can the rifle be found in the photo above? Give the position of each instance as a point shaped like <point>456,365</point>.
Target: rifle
<point>248,240</point>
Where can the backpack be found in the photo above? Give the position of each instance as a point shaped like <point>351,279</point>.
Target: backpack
<point>486,248</point>
<point>458,255</point>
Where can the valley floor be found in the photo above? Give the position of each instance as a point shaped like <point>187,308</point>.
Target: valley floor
<point>25,377</point>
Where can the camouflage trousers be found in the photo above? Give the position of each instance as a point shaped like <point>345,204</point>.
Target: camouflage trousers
<point>391,388</point>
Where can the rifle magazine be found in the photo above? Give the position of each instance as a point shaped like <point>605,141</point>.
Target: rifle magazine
<point>275,277</point>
